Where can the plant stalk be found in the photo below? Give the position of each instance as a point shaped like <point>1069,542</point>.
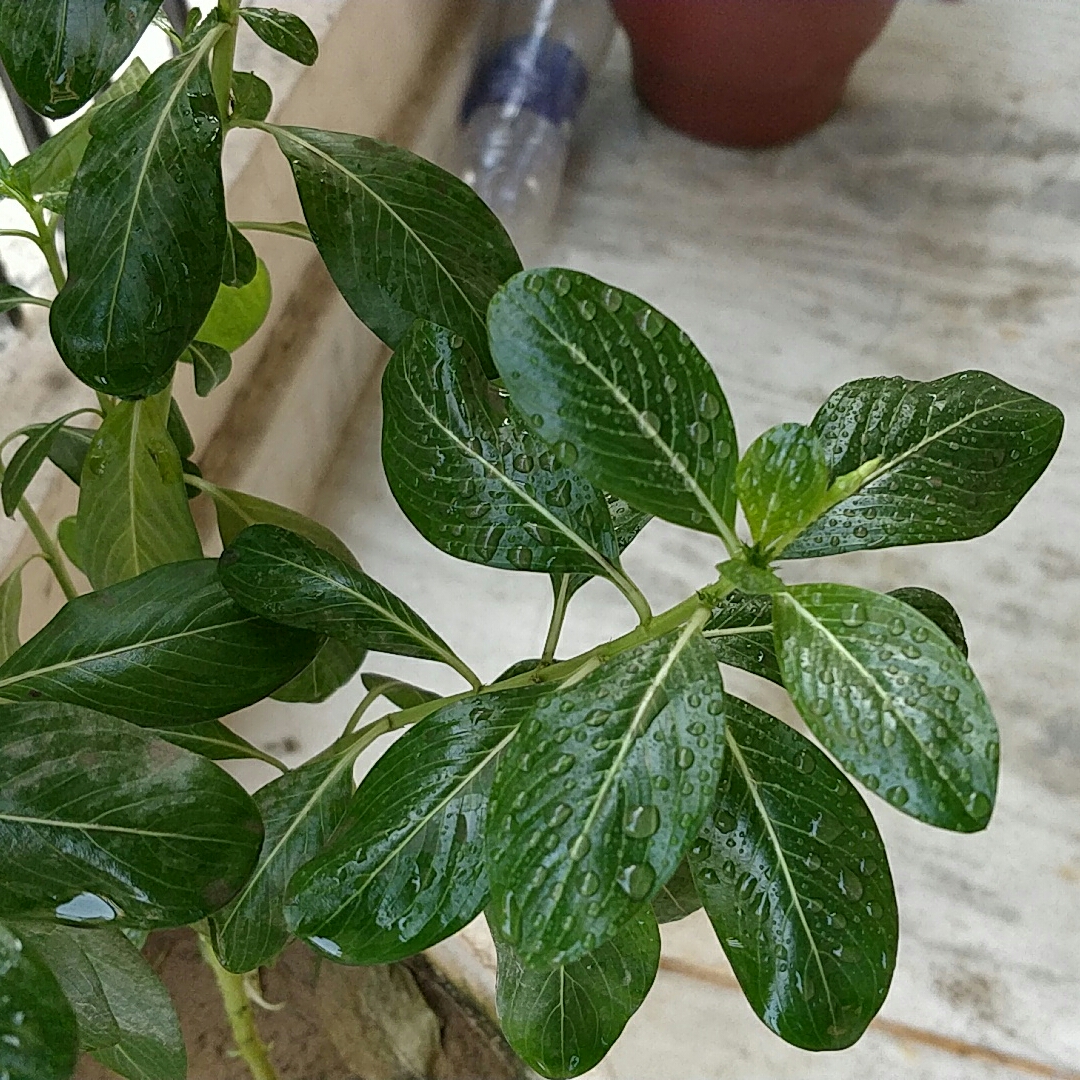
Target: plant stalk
<point>558,617</point>
<point>241,1016</point>
<point>283,228</point>
<point>221,65</point>
<point>47,243</point>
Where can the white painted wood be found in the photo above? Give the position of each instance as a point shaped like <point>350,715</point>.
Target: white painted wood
<point>932,225</point>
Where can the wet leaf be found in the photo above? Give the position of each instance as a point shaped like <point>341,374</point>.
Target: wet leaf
<point>133,507</point>
<point>145,232</point>
<point>212,365</point>
<point>166,648</point>
<point>106,823</point>
<point>240,263</point>
<point>334,665</point>
<point>284,32</point>
<point>402,238</point>
<point>406,867</point>
<point>596,801</point>
<point>893,699</point>
<point>938,610</point>
<point>740,633</point>
<point>678,898</point>
<point>471,478</point>
<point>953,458</point>
<point>60,54</point>
<point>300,810</point>
<point>795,879</point>
<point>212,739</point>
<point>619,392</point>
<point>563,1021</point>
<point>627,523</point>
<point>252,98</point>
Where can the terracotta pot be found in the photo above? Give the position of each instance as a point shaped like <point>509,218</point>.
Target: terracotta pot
<point>747,72</point>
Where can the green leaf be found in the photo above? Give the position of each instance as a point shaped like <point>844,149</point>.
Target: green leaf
<point>67,536</point>
<point>749,579</point>
<point>795,879</point>
<point>166,648</point>
<point>212,739</point>
<point>60,54</point>
<point>679,896</point>
<point>284,32</point>
<point>252,97</point>
<point>300,810</point>
<point>237,510</point>
<point>406,867</point>
<point>212,365</point>
<point>627,523</point>
<point>11,296</point>
<point>597,800</point>
<point>284,577</point>
<point>38,1036</point>
<point>938,610</point>
<point>402,238</point>
<point>238,313</point>
<point>48,171</point>
<point>26,461</point>
<point>125,1016</point>
<point>179,431</point>
<point>402,694</point>
<point>620,392</point>
<point>471,478</point>
<point>563,1021</point>
<point>893,699</point>
<point>334,665</point>
<point>145,232</point>
<point>104,822</point>
<point>740,632</point>
<point>956,456</point>
<point>11,595</point>
<point>240,263</point>
<point>68,449</point>
<point>133,509</point>
<point>781,481</point>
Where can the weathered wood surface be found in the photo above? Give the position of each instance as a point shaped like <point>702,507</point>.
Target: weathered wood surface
<point>933,225</point>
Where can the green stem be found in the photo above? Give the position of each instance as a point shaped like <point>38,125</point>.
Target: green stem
<point>47,242</point>
<point>221,65</point>
<point>49,549</point>
<point>635,596</point>
<point>283,228</point>
<point>366,702</point>
<point>558,617</point>
<point>21,233</point>
<point>241,1016</point>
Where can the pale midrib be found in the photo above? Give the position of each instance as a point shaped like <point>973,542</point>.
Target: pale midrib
<point>417,238</point>
<point>632,733</point>
<point>136,418</point>
<point>774,840</point>
<point>606,566</point>
<point>650,433</point>
<point>87,826</point>
<point>12,680</point>
<point>346,762</point>
<point>885,698</point>
<point>738,631</point>
<point>469,777</point>
<point>144,168</point>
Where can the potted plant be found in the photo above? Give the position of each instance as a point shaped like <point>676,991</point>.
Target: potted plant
<point>534,422</point>
<point>747,72</point>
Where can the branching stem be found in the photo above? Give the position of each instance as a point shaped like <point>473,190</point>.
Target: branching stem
<point>558,617</point>
<point>283,228</point>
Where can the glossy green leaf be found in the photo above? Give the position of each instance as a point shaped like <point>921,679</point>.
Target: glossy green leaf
<point>283,31</point>
<point>212,739</point>
<point>749,579</point>
<point>252,97</point>
<point>29,457</point>
<point>104,822</point>
<point>284,577</point>
<point>402,238</point>
<point>145,232</point>
<point>954,457</point>
<point>597,800</point>
<point>740,632</point>
<point>238,313</point>
<point>48,171</point>
<point>619,392</point>
<point>11,296</point>
<point>938,610</point>
<point>125,1016</point>
<point>406,867</point>
<point>179,431</point>
<point>563,1021</point>
<point>892,699</point>
<point>59,54</point>
<point>11,596</point>
<point>679,896</point>
<point>133,509</point>
<point>240,263</point>
<point>470,477</point>
<point>38,1037</point>
<point>781,481</point>
<point>795,879</point>
<point>627,523</point>
<point>237,510</point>
<point>335,663</point>
<point>67,536</point>
<point>300,811</point>
<point>166,648</point>
<point>212,365</point>
<point>402,694</point>
<point>68,449</point>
